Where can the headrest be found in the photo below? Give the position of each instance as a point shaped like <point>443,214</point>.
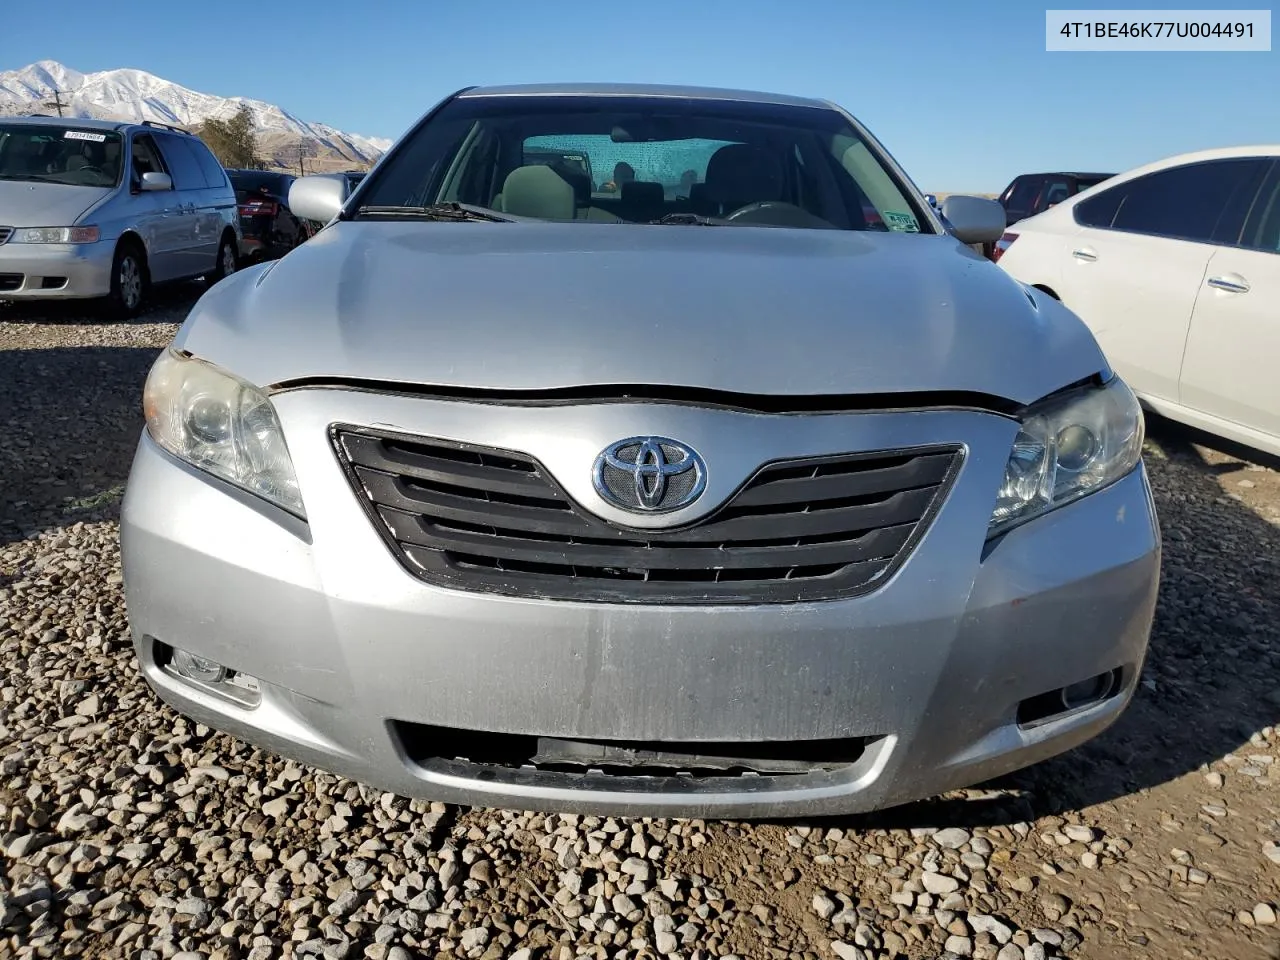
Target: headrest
<point>742,173</point>
<point>538,191</point>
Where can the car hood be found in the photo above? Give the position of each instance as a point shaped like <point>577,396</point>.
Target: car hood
<point>542,306</point>
<point>27,204</point>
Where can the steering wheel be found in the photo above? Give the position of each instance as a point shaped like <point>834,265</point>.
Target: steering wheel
<point>777,213</point>
<point>90,168</point>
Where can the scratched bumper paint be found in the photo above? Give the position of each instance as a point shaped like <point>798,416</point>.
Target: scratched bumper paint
<point>932,665</point>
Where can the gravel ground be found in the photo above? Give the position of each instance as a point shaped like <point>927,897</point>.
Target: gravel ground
<point>126,831</point>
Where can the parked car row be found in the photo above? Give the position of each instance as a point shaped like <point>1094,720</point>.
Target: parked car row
<point>105,209</point>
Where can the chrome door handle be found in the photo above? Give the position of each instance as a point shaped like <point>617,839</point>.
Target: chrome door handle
<point>1232,283</point>
<point>1085,254</point>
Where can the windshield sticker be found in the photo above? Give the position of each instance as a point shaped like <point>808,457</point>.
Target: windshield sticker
<point>84,135</point>
<point>902,222</point>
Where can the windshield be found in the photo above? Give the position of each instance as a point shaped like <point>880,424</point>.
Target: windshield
<point>53,154</point>
<point>625,159</point>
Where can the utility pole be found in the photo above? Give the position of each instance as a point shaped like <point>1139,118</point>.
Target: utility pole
<point>56,102</point>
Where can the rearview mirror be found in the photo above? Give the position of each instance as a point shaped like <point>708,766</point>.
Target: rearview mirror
<point>152,181</point>
<point>974,219</point>
<point>318,197</point>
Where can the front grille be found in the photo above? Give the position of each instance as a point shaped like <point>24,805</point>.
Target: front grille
<point>10,281</point>
<point>5,234</point>
<point>494,521</point>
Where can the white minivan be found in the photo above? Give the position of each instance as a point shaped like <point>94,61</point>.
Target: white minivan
<point>103,209</point>
<point>1175,267</point>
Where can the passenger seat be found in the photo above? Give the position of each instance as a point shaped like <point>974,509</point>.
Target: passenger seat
<point>538,191</point>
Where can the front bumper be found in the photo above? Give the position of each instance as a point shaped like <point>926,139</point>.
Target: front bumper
<point>361,664</point>
<point>55,271</point>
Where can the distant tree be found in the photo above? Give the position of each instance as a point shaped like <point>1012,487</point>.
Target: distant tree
<point>232,141</point>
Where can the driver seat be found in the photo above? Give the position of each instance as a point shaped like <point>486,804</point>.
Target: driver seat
<point>739,174</point>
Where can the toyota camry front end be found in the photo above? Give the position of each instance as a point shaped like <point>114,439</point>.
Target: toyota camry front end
<point>697,491</point>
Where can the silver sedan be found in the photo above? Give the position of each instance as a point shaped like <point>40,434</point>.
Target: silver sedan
<point>743,487</point>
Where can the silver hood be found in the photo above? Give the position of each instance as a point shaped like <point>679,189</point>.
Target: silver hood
<point>538,306</point>
<point>27,204</point>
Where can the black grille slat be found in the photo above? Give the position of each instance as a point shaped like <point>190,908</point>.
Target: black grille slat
<point>598,584</point>
<point>495,521</point>
<point>904,507</point>
<point>397,460</point>
<point>919,471</point>
<point>882,543</point>
<point>393,492</point>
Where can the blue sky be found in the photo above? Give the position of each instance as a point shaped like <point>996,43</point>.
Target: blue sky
<point>963,94</point>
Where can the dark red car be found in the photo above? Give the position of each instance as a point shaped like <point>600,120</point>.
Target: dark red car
<point>270,229</point>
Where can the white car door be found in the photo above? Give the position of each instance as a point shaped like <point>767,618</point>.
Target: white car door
<point>1135,267</point>
<point>1229,374</point>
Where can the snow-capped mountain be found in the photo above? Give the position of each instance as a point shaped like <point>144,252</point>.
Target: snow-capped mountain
<point>129,94</point>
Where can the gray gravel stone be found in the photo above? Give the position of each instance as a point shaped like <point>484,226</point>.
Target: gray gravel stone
<point>952,838</point>
<point>939,884</point>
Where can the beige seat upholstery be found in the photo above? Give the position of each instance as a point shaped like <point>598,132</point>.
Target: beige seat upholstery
<point>538,191</point>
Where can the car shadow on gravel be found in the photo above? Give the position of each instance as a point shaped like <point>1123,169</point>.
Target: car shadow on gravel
<point>162,299</point>
<point>1210,680</point>
<point>68,430</point>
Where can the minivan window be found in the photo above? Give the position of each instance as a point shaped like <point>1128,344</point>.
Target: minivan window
<point>70,155</point>
<point>146,157</point>
<point>187,174</point>
<point>214,175</point>
<point>641,159</point>
<point>1186,202</point>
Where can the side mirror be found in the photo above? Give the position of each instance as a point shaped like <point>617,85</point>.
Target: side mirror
<point>318,197</point>
<point>974,219</point>
<point>152,181</point>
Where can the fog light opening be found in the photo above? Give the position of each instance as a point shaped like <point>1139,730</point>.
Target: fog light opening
<point>1052,704</point>
<point>1093,690</point>
<point>208,675</point>
<point>198,668</point>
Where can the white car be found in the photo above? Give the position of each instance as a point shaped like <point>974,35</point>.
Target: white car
<point>1175,267</point>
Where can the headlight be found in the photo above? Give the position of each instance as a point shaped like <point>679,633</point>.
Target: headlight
<point>55,235</point>
<point>1069,445</point>
<point>220,423</point>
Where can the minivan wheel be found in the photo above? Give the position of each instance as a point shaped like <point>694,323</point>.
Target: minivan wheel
<point>128,282</point>
<point>226,262</point>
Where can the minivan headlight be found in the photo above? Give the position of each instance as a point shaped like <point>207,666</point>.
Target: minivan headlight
<point>221,424</point>
<point>55,235</point>
<point>1069,445</point>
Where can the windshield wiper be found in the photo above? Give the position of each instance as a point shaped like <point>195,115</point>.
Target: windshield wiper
<point>689,220</point>
<point>434,211</point>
